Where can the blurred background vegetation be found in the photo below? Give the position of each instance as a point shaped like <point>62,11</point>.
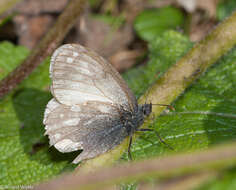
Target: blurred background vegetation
<point>141,39</point>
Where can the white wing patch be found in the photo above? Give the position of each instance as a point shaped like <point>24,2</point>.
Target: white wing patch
<point>67,145</point>
<point>75,108</point>
<point>80,75</point>
<point>103,108</point>
<point>69,60</point>
<point>72,122</point>
<point>52,104</point>
<point>75,54</point>
<point>68,126</point>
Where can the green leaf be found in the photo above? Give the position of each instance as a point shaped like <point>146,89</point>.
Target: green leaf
<point>24,152</point>
<point>6,5</point>
<point>225,8</point>
<point>163,53</point>
<point>10,57</point>
<point>94,3</point>
<point>202,116</point>
<point>114,21</point>
<point>25,155</point>
<point>151,23</point>
<point>227,181</point>
<point>5,20</point>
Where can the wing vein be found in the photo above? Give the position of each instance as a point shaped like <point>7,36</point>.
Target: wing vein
<point>76,71</point>
<point>78,66</point>
<point>78,81</point>
<point>79,91</point>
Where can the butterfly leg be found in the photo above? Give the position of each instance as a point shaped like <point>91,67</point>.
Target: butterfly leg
<point>158,136</point>
<point>129,147</point>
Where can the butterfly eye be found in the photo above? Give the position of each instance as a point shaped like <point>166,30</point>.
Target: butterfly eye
<point>147,109</point>
<point>144,111</point>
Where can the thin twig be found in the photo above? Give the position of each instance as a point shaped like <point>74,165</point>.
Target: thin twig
<point>210,160</point>
<point>180,183</point>
<point>45,47</point>
<point>6,5</point>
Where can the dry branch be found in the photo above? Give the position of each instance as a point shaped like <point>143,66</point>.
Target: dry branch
<point>220,157</point>
<point>6,5</point>
<point>45,47</point>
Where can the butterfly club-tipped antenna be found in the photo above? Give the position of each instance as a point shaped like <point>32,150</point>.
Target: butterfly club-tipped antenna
<point>167,105</point>
<point>170,107</point>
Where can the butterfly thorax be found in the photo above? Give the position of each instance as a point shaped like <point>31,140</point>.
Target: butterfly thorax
<point>133,120</point>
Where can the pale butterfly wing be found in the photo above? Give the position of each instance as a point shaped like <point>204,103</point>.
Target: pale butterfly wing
<point>71,128</point>
<point>80,75</point>
<point>89,96</point>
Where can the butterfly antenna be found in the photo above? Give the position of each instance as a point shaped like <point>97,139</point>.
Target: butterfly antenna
<point>167,105</point>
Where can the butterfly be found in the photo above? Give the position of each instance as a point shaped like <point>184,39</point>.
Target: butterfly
<point>92,107</point>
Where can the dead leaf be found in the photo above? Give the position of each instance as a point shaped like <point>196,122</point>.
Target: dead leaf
<point>36,7</point>
<point>125,59</point>
<point>200,26</point>
<point>103,38</point>
<point>31,29</point>
<point>192,5</point>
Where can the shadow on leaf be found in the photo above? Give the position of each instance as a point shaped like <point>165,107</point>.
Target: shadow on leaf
<point>29,105</point>
<point>219,125</point>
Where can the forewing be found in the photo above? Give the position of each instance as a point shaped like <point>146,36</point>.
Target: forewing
<point>95,128</point>
<point>80,75</point>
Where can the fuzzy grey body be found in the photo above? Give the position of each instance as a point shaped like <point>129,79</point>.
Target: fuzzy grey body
<point>116,130</point>
<point>133,120</point>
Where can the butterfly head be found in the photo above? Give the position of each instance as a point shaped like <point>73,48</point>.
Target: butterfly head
<point>147,109</point>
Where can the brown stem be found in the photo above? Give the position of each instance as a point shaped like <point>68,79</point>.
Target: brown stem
<point>220,157</point>
<point>45,47</point>
<point>6,5</point>
<point>185,182</point>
